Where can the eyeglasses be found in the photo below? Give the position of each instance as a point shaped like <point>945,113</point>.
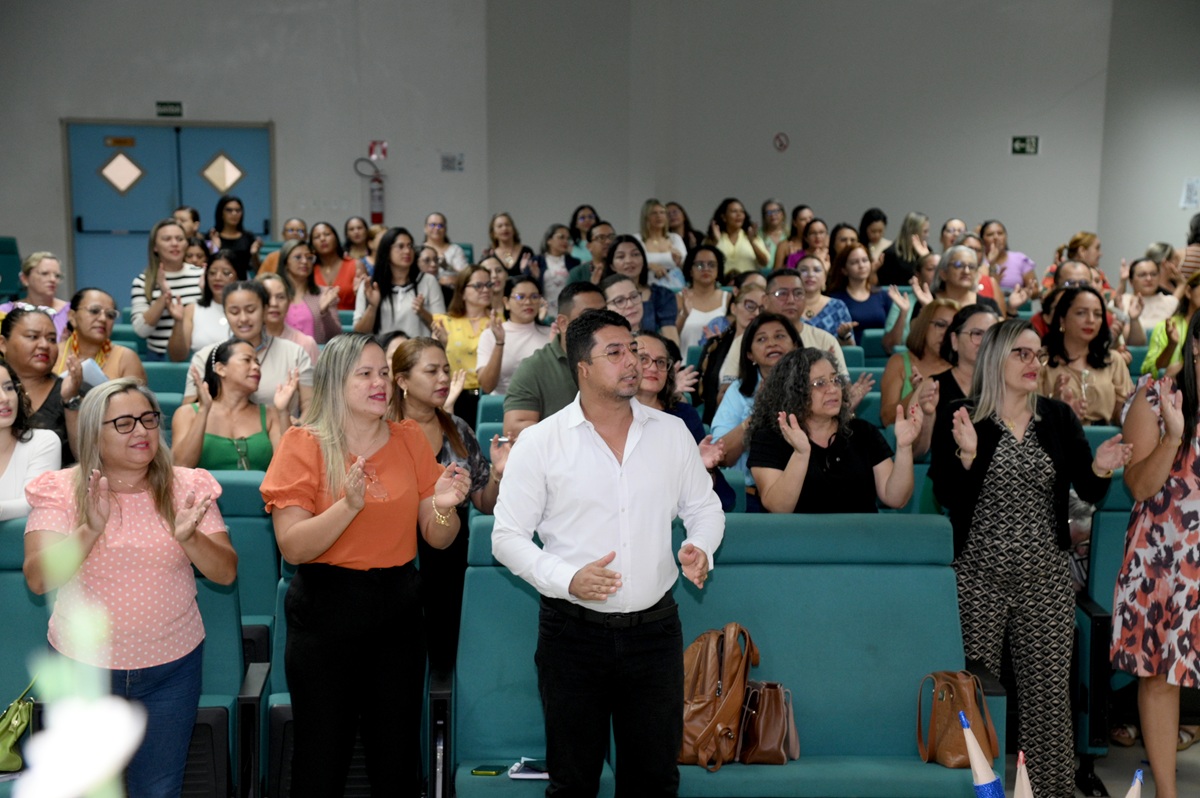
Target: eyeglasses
<point>704,266</point>
<point>751,307</point>
<point>811,271</point>
<point>616,352</point>
<point>783,293</point>
<point>375,488</point>
<point>661,363</point>
<point>604,238</point>
<point>526,297</point>
<point>310,259</point>
<point>480,286</point>
<point>436,225</point>
<point>125,424</point>
<point>96,310</point>
<point>585,217</point>
<point>837,381</point>
<point>1027,355</point>
<point>242,447</point>
<point>975,335</point>
<point>299,230</point>
<point>1084,283</point>
<point>960,265</point>
<point>774,212</point>
<point>626,301</point>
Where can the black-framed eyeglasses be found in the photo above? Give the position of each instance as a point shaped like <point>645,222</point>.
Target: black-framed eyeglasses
<point>480,286</point>
<point>751,307</point>
<point>604,238</point>
<point>941,324</point>
<point>616,352</point>
<point>125,424</point>
<point>836,381</point>
<point>627,301</point>
<point>1082,283</point>
<point>1027,355</point>
<point>975,335</point>
<point>660,363</point>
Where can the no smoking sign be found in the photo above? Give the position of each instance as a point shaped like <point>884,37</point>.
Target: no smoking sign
<point>781,142</point>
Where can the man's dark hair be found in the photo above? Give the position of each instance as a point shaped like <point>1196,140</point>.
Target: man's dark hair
<point>778,274</point>
<point>596,224</point>
<point>566,298</point>
<point>581,335</point>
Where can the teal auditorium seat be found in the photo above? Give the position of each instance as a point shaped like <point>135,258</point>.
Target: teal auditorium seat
<point>10,271</point>
<point>1139,357</point>
<point>874,371</point>
<point>853,683</point>
<point>346,317</point>
<point>165,377</point>
<point>468,251</point>
<point>694,354</point>
<point>484,432</point>
<point>868,409</point>
<point>1097,435</point>
<point>854,356</point>
<point>491,409</point>
<point>253,537</point>
<point>872,345</point>
<point>1094,680</point>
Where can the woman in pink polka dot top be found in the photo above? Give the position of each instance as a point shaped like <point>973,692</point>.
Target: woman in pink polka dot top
<point>118,535</point>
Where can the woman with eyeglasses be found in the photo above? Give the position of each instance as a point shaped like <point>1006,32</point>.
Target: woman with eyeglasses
<point>423,386</point>
<point>168,279</point>
<point>721,359</point>
<point>551,269</point>
<point>280,360</point>
<point>40,275</point>
<point>121,533</point>
<point>1082,371</point>
<point>942,392</point>
<point>348,493</point>
<point>702,301</point>
<point>333,268</point>
<point>820,309</point>
<point>665,250</point>
<point>312,309</point>
<point>459,330</point>
<point>767,339</point>
<point>93,313</point>
<point>1154,604</point>
<point>26,452</point>
<point>657,390</point>
<point>431,264</point>
<point>659,307</point>
<point>816,244</point>
<point>1003,463</point>
<point>1165,353</point>
<point>229,233</point>
<point>203,323</point>
<point>275,315</point>
<point>957,279</point>
<point>225,429</point>
<point>29,344</point>
<point>808,455</point>
<point>504,344</point>
<point>774,229</point>
<point>921,357</point>
<point>437,237</point>
<point>398,296</point>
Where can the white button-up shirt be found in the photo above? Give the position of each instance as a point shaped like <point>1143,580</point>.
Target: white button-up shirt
<point>564,482</point>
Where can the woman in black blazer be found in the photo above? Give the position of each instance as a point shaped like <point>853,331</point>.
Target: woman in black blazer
<point>1003,463</point>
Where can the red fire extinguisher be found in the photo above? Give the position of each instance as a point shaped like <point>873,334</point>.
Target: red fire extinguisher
<point>377,199</point>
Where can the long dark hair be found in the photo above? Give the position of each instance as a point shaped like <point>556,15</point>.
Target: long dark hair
<point>948,352</point>
<point>789,389</point>
<point>870,216</point>
<point>747,371</point>
<point>383,271</point>
<point>219,221</point>
<point>1191,391</point>
<point>642,279</point>
<point>337,240</point>
<point>310,285</point>
<point>1098,347</point>
<point>206,293</point>
<point>20,427</point>
<point>573,228</point>
<point>220,354</point>
<point>403,360</point>
<point>666,394</point>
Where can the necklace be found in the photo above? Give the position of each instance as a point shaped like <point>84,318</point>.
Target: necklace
<point>99,357</point>
<point>125,484</point>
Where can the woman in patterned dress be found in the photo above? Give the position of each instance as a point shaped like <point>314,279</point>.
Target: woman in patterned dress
<point>1156,620</point>
<point>1003,462</point>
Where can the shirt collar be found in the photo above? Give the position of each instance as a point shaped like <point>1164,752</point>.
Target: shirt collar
<point>576,418</point>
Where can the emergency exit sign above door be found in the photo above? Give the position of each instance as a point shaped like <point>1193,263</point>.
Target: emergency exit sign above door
<point>170,108</point>
<point>1024,145</point>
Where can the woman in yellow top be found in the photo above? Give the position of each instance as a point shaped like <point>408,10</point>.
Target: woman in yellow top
<point>732,232</point>
<point>459,328</point>
<point>90,321</point>
<point>1166,347</point>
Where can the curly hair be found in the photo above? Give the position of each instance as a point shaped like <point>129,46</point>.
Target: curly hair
<point>788,389</point>
<point>1098,347</point>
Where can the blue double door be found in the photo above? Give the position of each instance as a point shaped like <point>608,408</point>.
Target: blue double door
<point>126,177</point>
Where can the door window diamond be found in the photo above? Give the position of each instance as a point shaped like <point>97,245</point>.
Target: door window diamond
<point>121,172</point>
<point>222,173</point>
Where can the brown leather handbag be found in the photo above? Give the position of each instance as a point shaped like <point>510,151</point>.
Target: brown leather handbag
<point>768,732</point>
<point>715,672</point>
<point>954,691</point>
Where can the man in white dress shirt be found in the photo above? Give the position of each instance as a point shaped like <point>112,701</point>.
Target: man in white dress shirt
<point>600,482</point>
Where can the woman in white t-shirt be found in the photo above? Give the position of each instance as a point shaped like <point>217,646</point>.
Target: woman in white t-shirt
<point>552,268</point>
<point>502,347</point>
<point>25,452</point>
<point>665,250</point>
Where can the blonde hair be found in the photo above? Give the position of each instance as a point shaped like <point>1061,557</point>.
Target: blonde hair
<point>912,225</point>
<point>150,276</point>
<point>327,414</point>
<point>987,386</point>
<point>643,223</point>
<point>1081,240</point>
<point>30,263</point>
<point>160,473</point>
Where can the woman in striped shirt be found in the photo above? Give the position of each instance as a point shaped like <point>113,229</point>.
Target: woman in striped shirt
<point>167,280</point>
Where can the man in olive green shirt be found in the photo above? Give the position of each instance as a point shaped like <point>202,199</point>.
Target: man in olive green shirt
<point>600,238</point>
<point>542,384</point>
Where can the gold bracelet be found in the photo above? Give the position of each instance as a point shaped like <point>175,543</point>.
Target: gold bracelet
<point>959,454</point>
<point>1103,475</point>
<point>443,519</point>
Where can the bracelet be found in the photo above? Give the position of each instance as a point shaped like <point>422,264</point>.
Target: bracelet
<point>1102,474</point>
<point>960,455</point>
<point>495,475</point>
<point>443,519</point>
<point>499,343</point>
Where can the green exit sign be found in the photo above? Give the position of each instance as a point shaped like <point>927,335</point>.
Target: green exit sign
<point>1024,145</point>
<point>172,108</point>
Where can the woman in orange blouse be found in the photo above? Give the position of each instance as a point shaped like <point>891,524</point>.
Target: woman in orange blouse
<point>348,492</point>
<point>334,267</point>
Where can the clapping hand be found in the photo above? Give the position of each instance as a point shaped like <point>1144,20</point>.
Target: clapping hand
<point>72,379</point>
<point>964,435</point>
<point>919,245</point>
<point>1172,332</point>
<point>203,394</point>
<point>860,388</point>
<point>695,564</point>
<point>373,294</point>
<point>921,291</point>
<point>1018,297</point>
<point>712,453</point>
<point>499,454</point>
<point>99,502</point>
<point>594,582</point>
<point>330,296</point>
<point>1065,392</point>
<point>927,395</point>
<point>908,427</point>
<point>1112,454</point>
<point>452,486</point>
<point>418,303</point>
<point>1170,408</point>
<point>899,299</point>
<point>846,330</point>
<point>686,378</point>
<point>438,330</point>
<point>457,381</point>
<point>794,434</point>
<point>1134,306</point>
<point>174,307</point>
<point>356,484</point>
<point>194,509</point>
<point>256,246</point>
<point>284,391</point>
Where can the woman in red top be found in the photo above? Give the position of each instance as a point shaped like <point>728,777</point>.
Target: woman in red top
<point>334,267</point>
<point>348,492</point>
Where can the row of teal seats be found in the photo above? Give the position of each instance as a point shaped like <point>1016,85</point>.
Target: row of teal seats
<point>238,620</point>
<point>853,683</point>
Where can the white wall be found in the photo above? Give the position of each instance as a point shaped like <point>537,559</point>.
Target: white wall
<point>901,105</point>
<point>1151,126</point>
<point>331,74</point>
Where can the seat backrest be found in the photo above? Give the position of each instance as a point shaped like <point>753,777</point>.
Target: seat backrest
<point>10,268</point>
<point>278,676</point>
<point>166,377</point>
<point>1098,434</point>
<point>1107,553</point>
<point>491,409</point>
<point>221,609</point>
<point>258,562</point>
<point>869,409</point>
<point>484,433</point>
<point>26,619</point>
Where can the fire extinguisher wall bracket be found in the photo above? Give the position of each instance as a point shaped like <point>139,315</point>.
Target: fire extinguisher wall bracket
<point>367,168</point>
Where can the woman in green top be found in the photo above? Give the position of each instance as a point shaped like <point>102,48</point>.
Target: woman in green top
<point>1166,350</point>
<point>226,430</point>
